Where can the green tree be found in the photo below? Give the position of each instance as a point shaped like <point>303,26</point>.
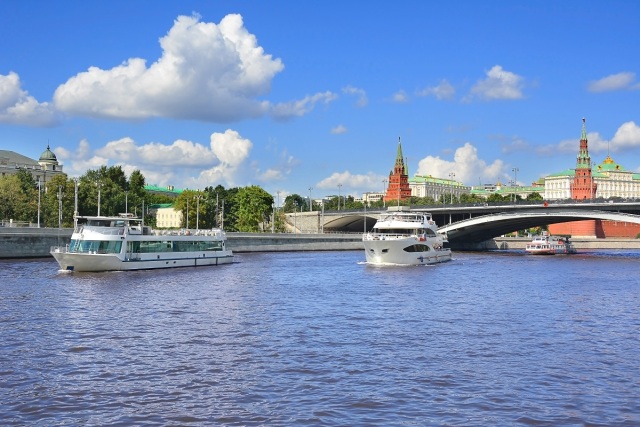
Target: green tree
<point>495,197</point>
<point>293,201</point>
<point>59,193</point>
<point>253,209</point>
<point>534,197</point>
<point>12,198</point>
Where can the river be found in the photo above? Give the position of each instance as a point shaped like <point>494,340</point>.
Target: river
<point>319,338</point>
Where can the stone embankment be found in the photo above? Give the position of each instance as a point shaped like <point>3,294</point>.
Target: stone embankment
<point>18,242</point>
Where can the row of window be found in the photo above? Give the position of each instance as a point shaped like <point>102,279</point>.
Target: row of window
<point>114,246</point>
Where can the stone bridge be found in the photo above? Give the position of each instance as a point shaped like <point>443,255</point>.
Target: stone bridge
<point>469,226</point>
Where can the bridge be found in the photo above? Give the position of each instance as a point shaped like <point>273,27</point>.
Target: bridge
<point>468,226</point>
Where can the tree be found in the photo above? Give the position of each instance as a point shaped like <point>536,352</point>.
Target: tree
<point>534,197</point>
<point>12,198</point>
<point>293,201</point>
<point>253,207</point>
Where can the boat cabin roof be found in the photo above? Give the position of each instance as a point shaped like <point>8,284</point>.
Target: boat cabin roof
<point>110,221</point>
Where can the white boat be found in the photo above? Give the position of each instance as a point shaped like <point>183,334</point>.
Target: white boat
<point>546,244</point>
<point>404,237</point>
<point>124,243</point>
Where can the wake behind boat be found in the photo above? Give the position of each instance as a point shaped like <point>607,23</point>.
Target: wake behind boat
<point>406,238</point>
<point>124,243</point>
<point>546,244</point>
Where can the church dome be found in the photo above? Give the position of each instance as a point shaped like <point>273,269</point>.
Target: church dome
<point>48,156</point>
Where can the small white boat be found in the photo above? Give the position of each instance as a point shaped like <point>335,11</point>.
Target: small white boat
<point>124,243</point>
<point>546,244</point>
<point>404,237</point>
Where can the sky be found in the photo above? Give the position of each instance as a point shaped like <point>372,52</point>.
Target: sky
<point>312,97</point>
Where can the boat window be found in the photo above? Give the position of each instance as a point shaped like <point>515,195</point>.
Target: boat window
<point>417,248</point>
<point>95,246</point>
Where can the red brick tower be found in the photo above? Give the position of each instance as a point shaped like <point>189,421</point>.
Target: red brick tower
<point>398,179</point>
<point>583,186</point>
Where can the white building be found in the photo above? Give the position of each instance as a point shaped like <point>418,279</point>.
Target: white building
<point>429,186</point>
<point>610,179</point>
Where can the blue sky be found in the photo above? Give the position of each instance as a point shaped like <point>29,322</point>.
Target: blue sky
<point>290,95</point>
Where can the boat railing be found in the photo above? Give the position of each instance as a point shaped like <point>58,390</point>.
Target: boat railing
<point>388,236</point>
<point>107,231</point>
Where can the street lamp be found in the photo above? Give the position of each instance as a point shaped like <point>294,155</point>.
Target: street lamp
<point>451,176</point>
<point>75,205</point>
<point>592,165</point>
<point>339,187</point>
<point>59,206</point>
<point>295,221</point>
<point>99,184</point>
<point>310,203</point>
<point>515,183</point>
<point>198,197</point>
<point>38,202</point>
<point>384,192</point>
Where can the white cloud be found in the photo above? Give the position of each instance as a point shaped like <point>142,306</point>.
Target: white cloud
<point>176,164</point>
<point>466,166</point>
<point>444,90</point>
<point>360,93</point>
<point>287,110</point>
<point>499,84</point>
<point>340,129</point>
<point>627,136</point>
<point>619,81</point>
<point>19,108</point>
<point>351,182</point>
<point>400,97</point>
<point>206,72</point>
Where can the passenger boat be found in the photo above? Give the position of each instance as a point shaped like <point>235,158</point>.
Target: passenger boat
<point>546,244</point>
<point>405,237</point>
<point>101,243</point>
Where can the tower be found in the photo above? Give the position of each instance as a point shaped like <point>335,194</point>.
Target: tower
<point>583,186</point>
<point>398,179</point>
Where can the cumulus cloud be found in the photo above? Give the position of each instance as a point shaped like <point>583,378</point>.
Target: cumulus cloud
<point>499,84</point>
<point>360,93</point>
<point>19,108</point>
<point>351,182</point>
<point>173,164</point>
<point>466,165</point>
<point>613,82</point>
<point>627,136</point>
<point>206,72</point>
<point>340,129</point>
<point>443,90</point>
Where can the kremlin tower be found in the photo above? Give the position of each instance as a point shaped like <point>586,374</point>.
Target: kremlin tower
<point>398,179</point>
<point>583,186</point>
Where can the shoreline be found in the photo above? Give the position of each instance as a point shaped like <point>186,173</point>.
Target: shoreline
<point>18,243</point>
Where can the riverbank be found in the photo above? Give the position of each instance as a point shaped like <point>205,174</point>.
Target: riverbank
<point>36,242</point>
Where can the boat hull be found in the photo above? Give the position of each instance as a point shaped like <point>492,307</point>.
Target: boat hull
<point>392,252</point>
<point>83,262</point>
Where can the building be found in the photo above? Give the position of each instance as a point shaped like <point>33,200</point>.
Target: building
<point>606,181</point>
<point>436,188</point>
<point>169,190</point>
<point>42,170</point>
<point>398,188</point>
<point>166,215</point>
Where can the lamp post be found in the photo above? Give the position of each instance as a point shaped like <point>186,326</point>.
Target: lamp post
<point>339,187</point>
<point>451,176</point>
<point>59,206</point>
<point>384,192</point>
<point>515,183</point>
<point>126,201</point>
<point>310,203</point>
<point>99,184</point>
<point>38,202</point>
<point>198,197</point>
<point>295,222</point>
<point>75,204</point>
<point>187,223</point>
<point>592,165</point>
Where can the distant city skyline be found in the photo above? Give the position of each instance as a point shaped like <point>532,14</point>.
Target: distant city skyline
<point>292,95</point>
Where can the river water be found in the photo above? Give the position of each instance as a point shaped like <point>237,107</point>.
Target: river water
<point>319,338</point>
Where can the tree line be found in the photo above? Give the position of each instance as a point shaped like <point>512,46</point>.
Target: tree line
<point>108,191</point>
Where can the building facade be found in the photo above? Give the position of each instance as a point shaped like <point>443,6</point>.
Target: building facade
<point>42,170</point>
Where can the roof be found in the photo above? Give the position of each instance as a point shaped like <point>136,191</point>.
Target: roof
<point>12,158</point>
<point>609,165</point>
<point>165,190</point>
<point>48,156</point>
